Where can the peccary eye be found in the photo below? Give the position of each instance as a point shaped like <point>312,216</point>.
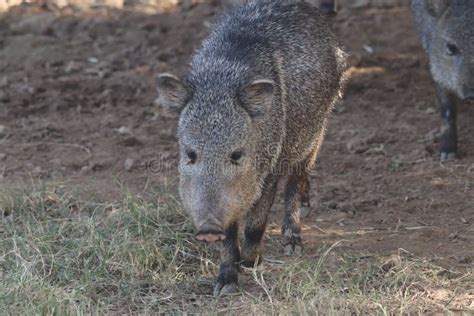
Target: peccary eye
<point>192,156</point>
<point>451,49</point>
<point>236,156</point>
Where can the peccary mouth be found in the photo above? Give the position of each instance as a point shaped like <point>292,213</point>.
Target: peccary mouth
<point>210,236</point>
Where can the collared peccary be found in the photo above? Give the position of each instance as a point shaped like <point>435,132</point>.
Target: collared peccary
<point>252,111</point>
<point>447,34</point>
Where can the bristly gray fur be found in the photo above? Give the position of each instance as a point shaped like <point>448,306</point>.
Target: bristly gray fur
<point>262,85</point>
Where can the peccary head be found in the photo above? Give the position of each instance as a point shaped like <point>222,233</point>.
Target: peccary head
<point>451,50</point>
<point>217,131</point>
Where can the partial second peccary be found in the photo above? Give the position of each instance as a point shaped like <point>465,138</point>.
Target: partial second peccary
<point>252,111</point>
<point>447,33</point>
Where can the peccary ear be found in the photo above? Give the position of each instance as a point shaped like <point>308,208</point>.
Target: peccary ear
<point>171,93</point>
<point>436,8</point>
<point>257,97</point>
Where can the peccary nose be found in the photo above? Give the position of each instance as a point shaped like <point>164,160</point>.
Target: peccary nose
<point>468,93</point>
<point>210,233</point>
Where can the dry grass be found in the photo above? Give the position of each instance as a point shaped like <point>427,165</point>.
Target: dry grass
<point>63,255</point>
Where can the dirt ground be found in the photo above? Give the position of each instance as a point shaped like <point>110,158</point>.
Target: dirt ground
<point>77,106</point>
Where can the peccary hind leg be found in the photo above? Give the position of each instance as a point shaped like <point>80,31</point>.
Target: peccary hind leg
<point>255,226</point>
<point>291,228</point>
<point>303,191</point>
<point>448,109</point>
<point>229,267</point>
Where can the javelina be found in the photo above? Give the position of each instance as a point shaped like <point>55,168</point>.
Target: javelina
<point>252,110</point>
<point>447,33</point>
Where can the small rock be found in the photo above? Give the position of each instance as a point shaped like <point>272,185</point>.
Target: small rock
<point>37,171</point>
<point>432,135</point>
<point>72,66</point>
<point>3,156</point>
<point>129,164</point>
<point>452,236</point>
<point>344,290</point>
<point>368,49</point>
<point>92,60</point>
<point>430,110</point>
<point>357,145</point>
<point>85,169</point>
<point>464,221</point>
<point>123,130</point>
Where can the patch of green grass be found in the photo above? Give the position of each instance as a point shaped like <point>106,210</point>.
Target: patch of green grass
<point>61,255</point>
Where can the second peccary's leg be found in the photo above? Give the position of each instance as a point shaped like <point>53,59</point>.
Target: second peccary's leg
<point>229,267</point>
<point>255,226</point>
<point>448,110</point>
<point>291,228</point>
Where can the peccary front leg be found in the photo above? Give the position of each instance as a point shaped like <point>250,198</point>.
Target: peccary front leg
<point>291,228</point>
<point>229,267</point>
<point>255,226</point>
<point>448,109</point>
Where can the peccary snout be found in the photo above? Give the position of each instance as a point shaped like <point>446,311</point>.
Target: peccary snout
<point>206,209</point>
<point>213,201</point>
<point>210,236</point>
<point>209,228</point>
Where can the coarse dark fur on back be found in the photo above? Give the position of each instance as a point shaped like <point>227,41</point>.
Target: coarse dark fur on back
<point>253,108</point>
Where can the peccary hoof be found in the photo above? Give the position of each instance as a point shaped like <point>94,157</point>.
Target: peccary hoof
<point>292,245</point>
<point>225,289</point>
<point>293,250</point>
<point>446,156</point>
